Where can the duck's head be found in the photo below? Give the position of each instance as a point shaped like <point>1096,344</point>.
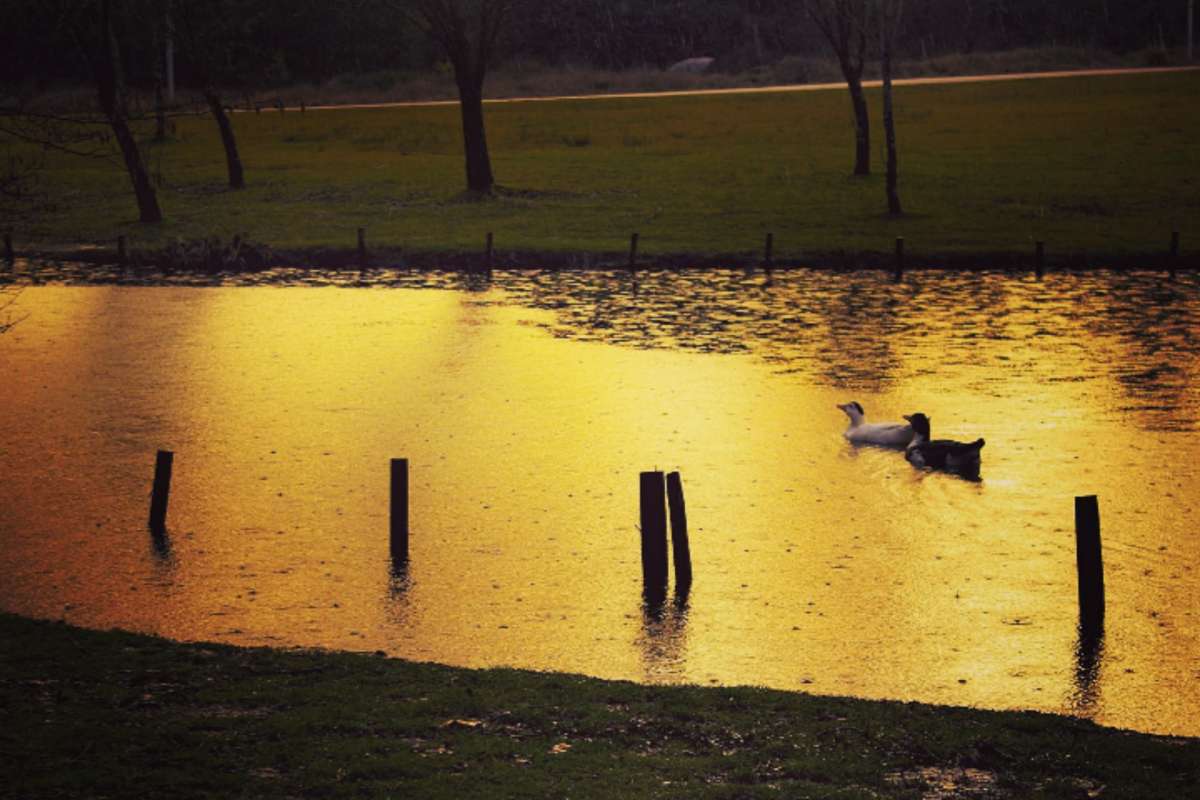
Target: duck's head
<point>920,424</point>
<point>853,410</point>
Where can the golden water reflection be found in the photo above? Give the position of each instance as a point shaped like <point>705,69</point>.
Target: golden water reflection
<point>528,403</point>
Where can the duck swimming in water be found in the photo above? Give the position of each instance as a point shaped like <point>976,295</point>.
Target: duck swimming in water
<point>887,434</point>
<point>958,457</point>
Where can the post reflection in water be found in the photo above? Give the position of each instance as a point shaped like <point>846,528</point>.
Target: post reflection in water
<point>1089,661</point>
<point>663,638</point>
<point>399,585</point>
<point>160,543</point>
<point>530,402</point>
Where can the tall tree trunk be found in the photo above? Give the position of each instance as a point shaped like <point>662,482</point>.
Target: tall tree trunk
<point>111,91</point>
<point>844,24</point>
<point>160,112</point>
<point>147,199</point>
<point>232,160</point>
<point>862,123</point>
<point>160,107</point>
<point>479,164</point>
<point>887,25</point>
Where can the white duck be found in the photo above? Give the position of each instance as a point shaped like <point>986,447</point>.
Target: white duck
<point>887,434</point>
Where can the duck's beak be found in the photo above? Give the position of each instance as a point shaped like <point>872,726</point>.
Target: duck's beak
<point>907,417</point>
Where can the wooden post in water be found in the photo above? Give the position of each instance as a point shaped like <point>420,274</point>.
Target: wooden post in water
<point>681,551</point>
<point>399,510</point>
<point>161,491</point>
<point>9,255</point>
<point>1039,258</point>
<point>1174,251</point>
<point>1089,563</point>
<point>769,251</point>
<point>654,535</point>
<point>633,243</point>
<point>122,253</point>
<point>362,247</point>
<point>487,252</point>
<point>899,257</point>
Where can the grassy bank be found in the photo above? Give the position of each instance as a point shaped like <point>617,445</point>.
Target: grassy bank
<point>1102,168</point>
<point>113,714</point>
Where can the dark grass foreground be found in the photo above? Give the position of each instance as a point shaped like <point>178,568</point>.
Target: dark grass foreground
<point>93,714</point>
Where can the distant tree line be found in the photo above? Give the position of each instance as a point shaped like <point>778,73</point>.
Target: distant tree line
<point>298,41</point>
<point>224,47</point>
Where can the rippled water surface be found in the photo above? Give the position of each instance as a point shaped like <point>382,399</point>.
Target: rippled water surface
<point>528,402</point>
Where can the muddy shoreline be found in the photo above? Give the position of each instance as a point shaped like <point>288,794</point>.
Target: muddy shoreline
<point>265,258</point>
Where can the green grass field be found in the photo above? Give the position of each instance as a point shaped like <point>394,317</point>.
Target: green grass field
<point>89,714</point>
<point>1102,166</point>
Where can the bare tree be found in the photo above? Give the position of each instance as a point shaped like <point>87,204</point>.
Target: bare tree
<point>210,33</point>
<point>844,24</point>
<point>97,39</point>
<point>468,31</point>
<point>889,22</point>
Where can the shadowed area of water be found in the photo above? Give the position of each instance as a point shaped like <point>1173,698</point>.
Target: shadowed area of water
<point>527,402</point>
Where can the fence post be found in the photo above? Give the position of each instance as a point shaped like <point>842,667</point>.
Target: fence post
<point>122,254</point>
<point>161,491</point>
<point>680,549</point>
<point>362,247</point>
<point>1089,563</point>
<point>1040,258</point>
<point>899,257</point>
<point>633,245</point>
<point>769,251</point>
<point>654,536</point>
<point>399,510</point>
<point>9,255</point>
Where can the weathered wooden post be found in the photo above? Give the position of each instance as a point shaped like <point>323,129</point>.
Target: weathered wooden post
<point>1040,258</point>
<point>654,536</point>
<point>1089,563</point>
<point>122,254</point>
<point>1174,251</point>
<point>681,551</point>
<point>9,255</point>
<point>769,251</point>
<point>362,247</point>
<point>161,491</point>
<point>899,257</point>
<point>487,253</point>
<point>399,510</point>
<point>633,243</point>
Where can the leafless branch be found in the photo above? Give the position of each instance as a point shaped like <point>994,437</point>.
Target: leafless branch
<point>8,296</point>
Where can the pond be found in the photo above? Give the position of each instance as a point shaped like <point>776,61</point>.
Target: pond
<point>528,402</point>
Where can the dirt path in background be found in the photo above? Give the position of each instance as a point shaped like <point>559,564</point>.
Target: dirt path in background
<point>798,87</point>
